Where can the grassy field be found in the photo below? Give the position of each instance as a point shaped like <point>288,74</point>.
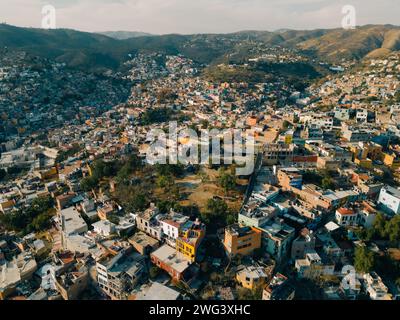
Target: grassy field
<point>199,188</point>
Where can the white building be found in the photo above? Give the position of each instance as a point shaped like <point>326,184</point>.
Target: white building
<point>117,275</point>
<point>318,120</point>
<point>362,115</point>
<point>346,217</point>
<point>104,228</point>
<point>376,288</point>
<point>171,225</point>
<point>366,217</point>
<point>312,267</point>
<point>389,198</point>
<point>72,222</point>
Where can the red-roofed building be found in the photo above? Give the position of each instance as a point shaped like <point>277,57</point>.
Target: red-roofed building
<point>346,217</point>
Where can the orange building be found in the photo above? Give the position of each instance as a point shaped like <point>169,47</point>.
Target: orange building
<point>252,121</point>
<point>241,240</point>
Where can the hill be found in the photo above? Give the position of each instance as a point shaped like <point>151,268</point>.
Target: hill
<point>123,35</point>
<point>73,47</point>
<point>356,44</point>
<point>99,51</point>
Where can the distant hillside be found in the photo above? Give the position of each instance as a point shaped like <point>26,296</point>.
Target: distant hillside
<point>356,44</point>
<point>335,44</point>
<point>98,51</point>
<point>123,35</point>
<point>73,47</point>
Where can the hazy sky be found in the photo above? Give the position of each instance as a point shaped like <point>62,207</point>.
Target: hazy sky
<point>198,16</point>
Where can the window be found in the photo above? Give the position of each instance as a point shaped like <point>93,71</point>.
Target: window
<point>244,246</point>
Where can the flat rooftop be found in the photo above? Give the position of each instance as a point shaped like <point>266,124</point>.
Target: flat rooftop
<point>239,230</point>
<point>123,262</point>
<point>169,256</point>
<point>72,220</point>
<point>392,191</point>
<point>157,291</point>
<point>143,239</point>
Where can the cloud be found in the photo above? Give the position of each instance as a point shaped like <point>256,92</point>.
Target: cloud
<point>197,16</point>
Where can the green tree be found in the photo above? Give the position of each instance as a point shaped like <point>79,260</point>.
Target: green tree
<point>286,124</point>
<point>166,205</point>
<point>365,234</point>
<point>392,229</point>
<point>379,225</point>
<point>216,211</point>
<point>164,181</point>
<point>36,217</point>
<point>158,115</point>
<point>154,272</point>
<point>89,183</point>
<point>175,170</point>
<point>3,174</point>
<point>42,221</point>
<point>312,177</point>
<point>227,181</point>
<point>114,219</point>
<point>101,169</point>
<point>123,175</point>
<point>230,219</point>
<point>364,260</point>
<point>138,202</point>
<point>127,169</point>
<point>327,183</point>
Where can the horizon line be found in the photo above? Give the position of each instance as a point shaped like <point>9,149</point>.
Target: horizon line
<point>148,34</point>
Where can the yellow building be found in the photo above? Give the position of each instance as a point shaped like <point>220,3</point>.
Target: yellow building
<point>187,248</point>
<point>391,160</point>
<point>364,163</point>
<point>47,174</point>
<point>250,277</point>
<point>368,150</point>
<point>241,240</point>
<point>190,236</point>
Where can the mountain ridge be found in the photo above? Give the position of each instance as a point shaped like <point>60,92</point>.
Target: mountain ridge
<point>124,35</point>
<point>96,50</point>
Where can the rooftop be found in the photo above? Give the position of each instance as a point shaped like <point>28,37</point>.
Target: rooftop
<point>240,231</point>
<point>253,272</point>
<point>157,291</point>
<point>392,191</point>
<point>169,256</point>
<point>143,239</point>
<point>72,220</point>
<point>126,262</point>
<point>345,211</point>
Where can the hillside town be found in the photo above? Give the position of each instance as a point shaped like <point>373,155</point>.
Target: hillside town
<point>84,215</point>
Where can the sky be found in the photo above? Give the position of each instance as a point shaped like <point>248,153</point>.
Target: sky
<point>197,16</point>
